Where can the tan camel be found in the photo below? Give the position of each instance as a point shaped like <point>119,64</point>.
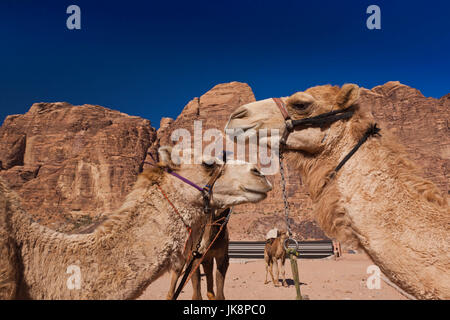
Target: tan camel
<point>133,247</point>
<point>217,252</point>
<point>275,255</point>
<point>378,199</point>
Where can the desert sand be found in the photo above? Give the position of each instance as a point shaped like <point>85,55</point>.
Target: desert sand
<point>323,279</point>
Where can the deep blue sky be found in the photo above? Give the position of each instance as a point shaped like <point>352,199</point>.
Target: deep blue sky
<point>149,58</point>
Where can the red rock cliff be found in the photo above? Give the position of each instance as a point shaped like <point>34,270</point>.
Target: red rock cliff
<point>68,161</point>
<point>71,164</point>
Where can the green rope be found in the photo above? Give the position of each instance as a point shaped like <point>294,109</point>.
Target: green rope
<point>293,257</point>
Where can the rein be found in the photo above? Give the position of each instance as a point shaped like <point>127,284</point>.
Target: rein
<point>371,131</point>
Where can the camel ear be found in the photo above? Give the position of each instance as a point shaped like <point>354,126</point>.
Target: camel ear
<point>165,156</point>
<point>347,96</point>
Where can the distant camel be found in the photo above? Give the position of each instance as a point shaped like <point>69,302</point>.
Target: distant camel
<point>219,252</point>
<point>378,199</point>
<point>275,255</point>
<point>128,251</point>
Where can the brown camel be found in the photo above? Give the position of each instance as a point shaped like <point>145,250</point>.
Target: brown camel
<point>275,255</point>
<point>133,247</point>
<point>378,199</point>
<point>218,252</point>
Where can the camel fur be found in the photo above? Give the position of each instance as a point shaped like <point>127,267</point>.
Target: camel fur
<point>378,200</point>
<point>132,248</point>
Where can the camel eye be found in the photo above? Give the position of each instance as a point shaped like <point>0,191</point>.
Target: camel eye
<point>300,106</point>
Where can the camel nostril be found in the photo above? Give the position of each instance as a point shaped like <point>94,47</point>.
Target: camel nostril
<point>239,113</point>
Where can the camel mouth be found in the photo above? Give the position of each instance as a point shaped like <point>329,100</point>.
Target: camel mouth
<point>239,126</point>
<point>259,192</point>
<point>239,113</point>
<point>236,129</point>
<point>249,127</point>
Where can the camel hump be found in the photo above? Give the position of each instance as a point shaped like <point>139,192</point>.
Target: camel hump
<point>272,234</point>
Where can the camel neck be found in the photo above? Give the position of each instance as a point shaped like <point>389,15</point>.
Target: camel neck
<point>400,218</point>
<point>118,260</point>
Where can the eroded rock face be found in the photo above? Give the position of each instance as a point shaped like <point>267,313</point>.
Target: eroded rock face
<point>71,164</point>
<point>420,123</point>
<point>68,161</point>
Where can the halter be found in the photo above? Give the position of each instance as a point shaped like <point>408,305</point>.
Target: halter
<point>206,190</point>
<point>320,121</point>
<point>317,121</point>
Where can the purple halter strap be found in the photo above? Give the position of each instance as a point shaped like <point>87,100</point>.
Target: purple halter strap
<point>189,182</point>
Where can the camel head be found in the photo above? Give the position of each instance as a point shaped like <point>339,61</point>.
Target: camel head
<point>239,182</point>
<point>265,114</point>
<point>283,235</point>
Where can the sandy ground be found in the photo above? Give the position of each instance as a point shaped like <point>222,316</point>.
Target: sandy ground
<point>323,279</point>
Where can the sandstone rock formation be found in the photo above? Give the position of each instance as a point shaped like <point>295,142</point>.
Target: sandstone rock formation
<point>422,124</point>
<point>71,163</point>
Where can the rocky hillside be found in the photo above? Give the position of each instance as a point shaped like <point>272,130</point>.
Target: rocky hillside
<point>71,164</point>
<point>422,125</point>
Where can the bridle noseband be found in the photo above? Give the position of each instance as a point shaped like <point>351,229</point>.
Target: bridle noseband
<point>319,121</point>
<point>316,121</point>
<point>207,190</point>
